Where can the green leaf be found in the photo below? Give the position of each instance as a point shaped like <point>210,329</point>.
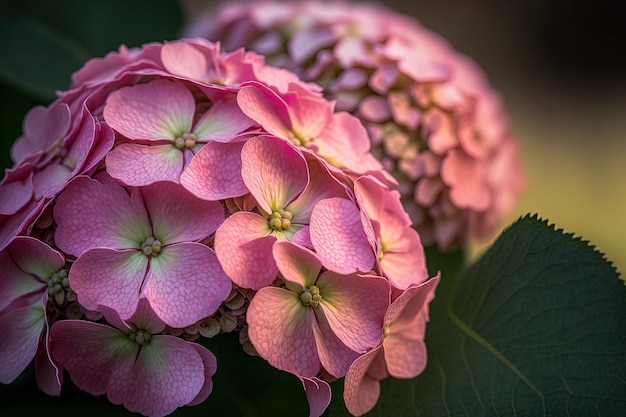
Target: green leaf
<point>536,327</point>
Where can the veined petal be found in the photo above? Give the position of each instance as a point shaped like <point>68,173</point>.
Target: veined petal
<point>185,60</point>
<point>361,391</point>
<point>210,367</point>
<point>265,107</point>
<point>109,277</point>
<point>298,265</point>
<point>21,324</point>
<point>274,171</point>
<point>338,236</point>
<point>355,307</point>
<point>160,109</point>
<point>214,173</point>
<point>186,283</point>
<point>92,213</point>
<point>166,365</point>
<point>91,352</point>
<point>222,122</point>
<point>178,216</point>
<point>244,249</point>
<point>335,356</point>
<point>318,395</point>
<point>280,328</point>
<point>138,165</point>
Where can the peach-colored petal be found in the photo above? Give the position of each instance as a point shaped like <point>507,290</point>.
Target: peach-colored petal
<point>355,307</point>
<point>338,236</point>
<point>281,329</point>
<point>244,248</point>
<point>214,173</point>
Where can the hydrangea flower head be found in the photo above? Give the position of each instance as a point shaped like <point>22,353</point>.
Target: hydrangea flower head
<point>432,118</point>
<point>177,192</point>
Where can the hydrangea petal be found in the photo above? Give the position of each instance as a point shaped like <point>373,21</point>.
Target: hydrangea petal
<point>92,213</point>
<point>185,60</point>
<point>21,325</point>
<point>318,395</point>
<point>214,173</point>
<point>177,215</point>
<point>338,236</point>
<point>334,355</point>
<point>166,365</point>
<point>355,307</point>
<point>244,248</point>
<point>274,171</point>
<point>265,107</point>
<point>297,265</point>
<point>210,367</point>
<point>160,109</point>
<point>361,391</point>
<point>138,165</point>
<point>280,328</point>
<point>186,283</point>
<point>109,277</point>
<point>90,352</point>
<point>222,122</point>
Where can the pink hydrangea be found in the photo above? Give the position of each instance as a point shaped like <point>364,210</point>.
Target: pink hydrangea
<point>433,119</point>
<point>177,192</point>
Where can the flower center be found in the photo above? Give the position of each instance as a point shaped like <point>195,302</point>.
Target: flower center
<point>280,220</point>
<point>140,336</point>
<point>186,141</point>
<point>58,283</point>
<point>151,246</point>
<point>311,296</point>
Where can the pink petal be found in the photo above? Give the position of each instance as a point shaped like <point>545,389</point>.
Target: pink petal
<point>214,173</point>
<point>21,324</point>
<point>186,283</point>
<point>318,395</point>
<point>280,328</point>
<point>210,367</point>
<point>138,165</point>
<point>166,365</point>
<point>338,236</point>
<point>91,352</point>
<point>244,248</point>
<point>361,391</point>
<point>404,261</point>
<point>297,265</point>
<point>334,355</point>
<point>160,109</point>
<point>321,185</point>
<point>274,172</point>
<point>404,347</point>
<point>265,107</point>
<point>15,194</point>
<point>179,216</point>
<point>222,122</point>
<point>355,307</point>
<point>183,59</point>
<point>109,277</point>
<point>92,213</point>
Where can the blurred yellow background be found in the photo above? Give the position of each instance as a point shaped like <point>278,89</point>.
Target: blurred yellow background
<point>560,68</point>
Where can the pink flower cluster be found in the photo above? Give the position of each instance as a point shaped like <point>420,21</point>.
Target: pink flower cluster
<point>432,117</point>
<point>176,193</point>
